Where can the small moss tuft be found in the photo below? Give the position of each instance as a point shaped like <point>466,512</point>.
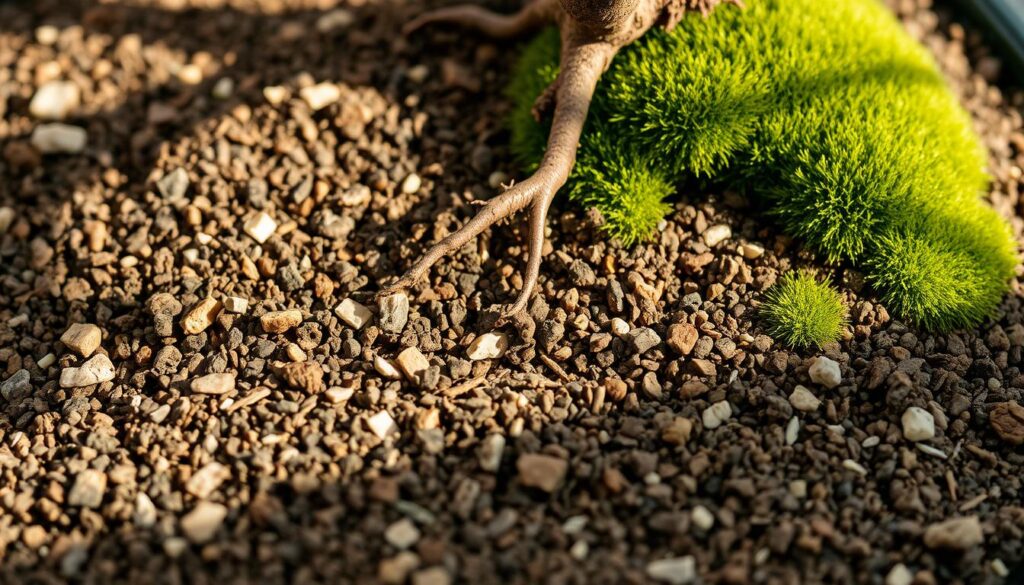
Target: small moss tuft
<point>833,117</point>
<point>803,312</point>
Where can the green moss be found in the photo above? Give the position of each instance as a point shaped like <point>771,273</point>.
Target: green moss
<point>803,312</point>
<point>828,112</point>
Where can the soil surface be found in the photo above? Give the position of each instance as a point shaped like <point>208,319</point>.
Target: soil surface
<point>197,386</point>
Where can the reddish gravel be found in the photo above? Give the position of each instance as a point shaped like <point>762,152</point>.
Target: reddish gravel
<point>196,386</point>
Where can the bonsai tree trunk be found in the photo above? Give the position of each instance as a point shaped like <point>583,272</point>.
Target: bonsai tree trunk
<point>592,32</point>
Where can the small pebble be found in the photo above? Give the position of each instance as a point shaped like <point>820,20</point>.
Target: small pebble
<point>716,414</point>
<point>201,524</point>
<point>320,96</point>
<point>354,314</point>
<point>750,251</point>
<point>382,425</point>
<point>899,575</point>
<point>59,138</point>
<point>260,227</point>
<point>619,327</point>
<point>918,424</point>
<point>7,217</point>
<point>213,384</point>
<point>717,234</point>
<point>236,305</point>
<point>488,346</point>
<point>88,489</point>
<point>201,316</point>
<point>207,479</point>
<point>385,368</point>
<point>959,534</point>
<point>281,321</point>
<point>223,89</point>
<point>674,571</point>
<point>55,100</point>
<point>96,370</point>
<point>490,452</point>
<point>543,472</point>
<point>394,312</point>
<point>411,184</point>
<point>334,20</point>
<point>82,338</point>
<point>412,363</point>
<point>702,518</point>
<point>825,371</point>
<point>803,400</point>
<point>402,534</point>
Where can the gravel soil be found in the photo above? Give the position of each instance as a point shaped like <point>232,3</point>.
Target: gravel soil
<point>198,199</point>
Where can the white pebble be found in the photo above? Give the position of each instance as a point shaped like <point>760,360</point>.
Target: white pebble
<point>55,100</point>
<point>717,234</point>
<point>354,314</point>
<point>803,400</point>
<point>385,368</point>
<point>870,442</point>
<point>382,424</point>
<point>201,524</point>
<point>825,371</point>
<point>490,452</point>
<point>792,430</point>
<point>575,524</point>
<point>47,35</point>
<point>918,424</point>
<point>702,518</point>
<point>579,550</point>
<point>260,227</point>
<point>854,467</point>
<point>750,251</point>
<point>929,450</point>
<point>190,74</point>
<point>716,414</point>
<point>320,96</point>
<point>899,575</point>
<point>7,217</point>
<point>223,89</point>
<point>677,571</point>
<point>336,19</point>
<point>338,395</point>
<point>95,370</point>
<point>47,361</point>
<point>488,346</point>
<point>59,138</point>
<point>236,305</point>
<point>411,184</point>
<point>145,511</point>
<point>418,73</point>
<point>619,327</point>
<point>275,94</point>
<point>402,534</point>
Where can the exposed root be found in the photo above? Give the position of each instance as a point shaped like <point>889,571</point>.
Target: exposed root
<point>592,32</point>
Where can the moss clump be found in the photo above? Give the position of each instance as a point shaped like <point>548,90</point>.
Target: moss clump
<point>829,112</point>
<point>803,312</point>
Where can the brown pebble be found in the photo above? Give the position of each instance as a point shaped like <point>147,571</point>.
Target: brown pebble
<point>543,472</point>
<point>1007,420</point>
<point>201,316</point>
<point>281,321</point>
<point>82,338</point>
<point>308,376</point>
